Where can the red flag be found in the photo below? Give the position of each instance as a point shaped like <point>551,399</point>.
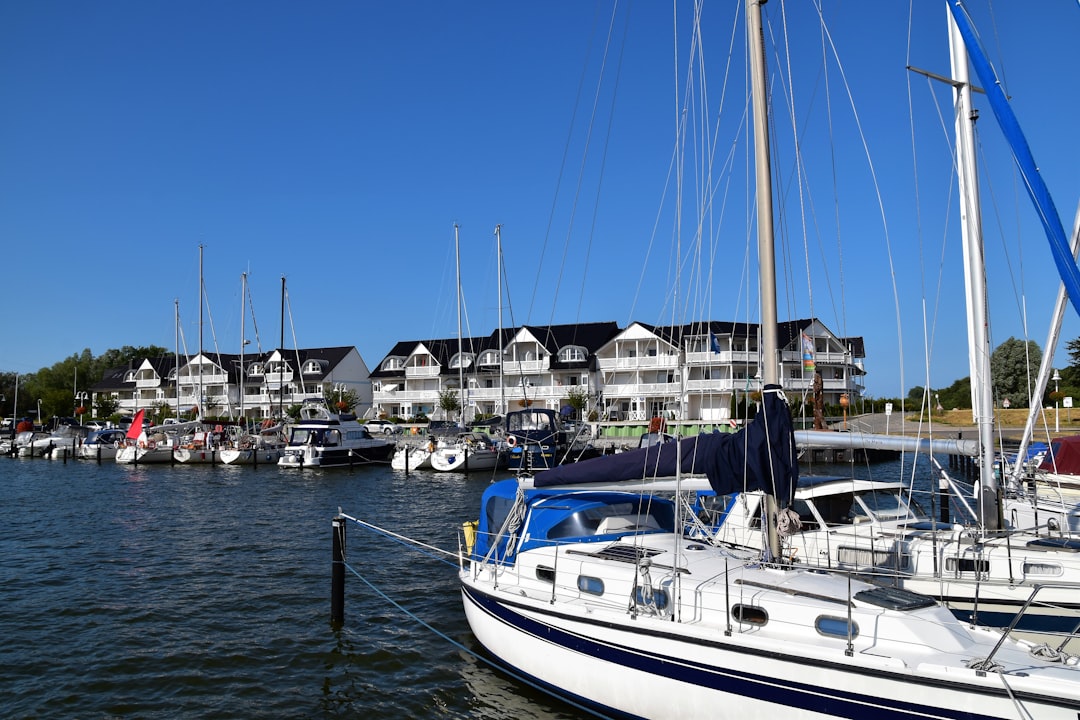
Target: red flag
<point>136,426</point>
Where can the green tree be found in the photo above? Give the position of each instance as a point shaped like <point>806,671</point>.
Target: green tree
<point>448,400</point>
<point>578,398</point>
<point>1014,366</point>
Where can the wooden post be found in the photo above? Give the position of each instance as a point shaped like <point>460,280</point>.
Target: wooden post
<point>337,585</point>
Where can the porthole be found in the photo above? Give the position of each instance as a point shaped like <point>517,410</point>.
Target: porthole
<point>591,585</point>
<point>749,614</point>
<point>545,574</point>
<point>832,626</point>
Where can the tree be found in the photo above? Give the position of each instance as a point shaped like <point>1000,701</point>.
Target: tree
<point>448,400</point>
<point>1014,366</point>
<point>577,397</point>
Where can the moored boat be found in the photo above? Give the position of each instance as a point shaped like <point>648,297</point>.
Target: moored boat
<point>322,439</point>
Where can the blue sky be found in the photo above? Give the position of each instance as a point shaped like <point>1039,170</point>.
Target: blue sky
<point>338,144</point>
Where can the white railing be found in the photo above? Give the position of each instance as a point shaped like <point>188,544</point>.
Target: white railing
<point>635,363</point>
<point>525,366</point>
<point>422,371</point>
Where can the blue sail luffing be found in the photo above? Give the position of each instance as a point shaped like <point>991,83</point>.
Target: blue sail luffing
<point>1033,180</point>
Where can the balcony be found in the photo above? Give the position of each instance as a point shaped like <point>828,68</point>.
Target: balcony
<point>726,357</point>
<point>640,362</point>
<point>148,382</point>
<point>418,371</point>
<point>525,366</point>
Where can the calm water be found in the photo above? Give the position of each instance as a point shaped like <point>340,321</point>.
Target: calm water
<point>205,592</point>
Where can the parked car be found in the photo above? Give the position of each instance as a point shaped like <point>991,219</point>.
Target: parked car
<point>382,426</point>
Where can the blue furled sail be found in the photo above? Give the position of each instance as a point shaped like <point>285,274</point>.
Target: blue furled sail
<point>1036,187</point>
<point>761,456</point>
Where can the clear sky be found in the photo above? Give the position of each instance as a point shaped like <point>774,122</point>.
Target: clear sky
<point>337,144</point>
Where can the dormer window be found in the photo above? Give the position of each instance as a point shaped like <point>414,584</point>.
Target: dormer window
<point>461,360</point>
<point>489,357</point>
<point>130,376</point>
<point>312,367</point>
<point>572,353</point>
<point>393,363</point>
<point>256,369</point>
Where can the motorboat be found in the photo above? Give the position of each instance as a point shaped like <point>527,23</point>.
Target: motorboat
<point>468,452</point>
<point>322,439</point>
<point>413,457</point>
<point>102,444</point>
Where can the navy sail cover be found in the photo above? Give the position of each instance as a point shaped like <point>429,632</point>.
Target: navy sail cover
<point>759,457</point>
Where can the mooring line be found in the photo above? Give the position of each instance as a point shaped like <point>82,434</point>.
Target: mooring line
<point>490,663</point>
<point>407,541</point>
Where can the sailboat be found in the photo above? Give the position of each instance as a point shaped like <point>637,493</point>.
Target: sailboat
<point>984,570</point>
<point>252,448</point>
<point>466,451</point>
<point>590,580</point>
<point>202,446</point>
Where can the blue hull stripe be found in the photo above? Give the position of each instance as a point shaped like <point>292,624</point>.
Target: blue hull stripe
<point>778,690</point>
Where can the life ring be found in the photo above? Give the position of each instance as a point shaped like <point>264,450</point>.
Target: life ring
<point>511,440</point>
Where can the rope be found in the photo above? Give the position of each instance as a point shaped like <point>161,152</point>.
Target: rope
<point>433,551</point>
<point>1050,654</point>
<point>460,646</point>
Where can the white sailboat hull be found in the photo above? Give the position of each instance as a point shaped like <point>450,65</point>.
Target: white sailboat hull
<point>598,652</point>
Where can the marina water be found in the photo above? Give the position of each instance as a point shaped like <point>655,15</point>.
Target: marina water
<point>204,592</point>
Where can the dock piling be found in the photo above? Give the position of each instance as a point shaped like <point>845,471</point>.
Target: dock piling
<point>337,584</point>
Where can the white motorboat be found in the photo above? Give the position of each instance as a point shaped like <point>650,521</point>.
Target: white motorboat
<point>468,452</point>
<point>322,439</point>
<point>102,444</point>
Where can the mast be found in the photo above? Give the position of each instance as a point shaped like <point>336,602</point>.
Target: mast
<point>243,342</point>
<point>766,252</point>
<point>281,355</point>
<point>982,393</point>
<point>201,398</point>
<point>460,369</point>
<point>499,267</point>
<point>176,351</point>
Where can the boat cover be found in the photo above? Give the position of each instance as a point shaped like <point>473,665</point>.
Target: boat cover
<point>1064,456</point>
<point>761,456</point>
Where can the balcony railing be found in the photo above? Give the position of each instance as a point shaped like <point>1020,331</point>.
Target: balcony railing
<point>422,371</point>
<point>635,363</point>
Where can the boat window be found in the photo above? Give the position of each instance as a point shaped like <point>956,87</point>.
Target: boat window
<point>837,509</point>
<point>1042,568</point>
<point>806,515</point>
<point>545,573</point>
<point>967,565</point>
<point>885,504</point>
<point>749,614</point>
<point>332,437</point>
<point>839,627</point>
<point>300,436</point>
<point>612,518</point>
<point>591,585</point>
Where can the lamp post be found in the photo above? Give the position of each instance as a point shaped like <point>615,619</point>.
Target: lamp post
<point>1057,399</point>
<point>80,404</point>
<point>39,411</point>
<point>844,402</point>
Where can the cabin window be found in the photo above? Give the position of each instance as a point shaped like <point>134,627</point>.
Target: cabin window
<point>545,574</point>
<point>1042,568</point>
<point>590,585</point>
<point>967,565</point>
<point>749,614</point>
<point>837,627</point>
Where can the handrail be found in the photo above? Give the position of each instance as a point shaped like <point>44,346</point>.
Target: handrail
<point>984,664</point>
